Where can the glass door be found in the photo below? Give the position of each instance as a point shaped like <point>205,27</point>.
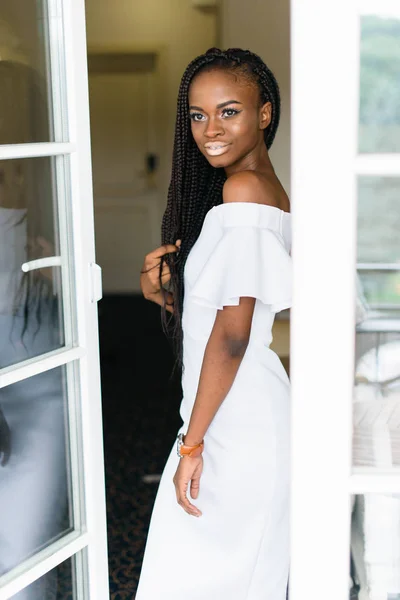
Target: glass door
<point>52,498</point>
<point>346,314</point>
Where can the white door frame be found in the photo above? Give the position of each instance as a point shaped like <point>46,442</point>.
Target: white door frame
<point>325,165</point>
<point>70,98</point>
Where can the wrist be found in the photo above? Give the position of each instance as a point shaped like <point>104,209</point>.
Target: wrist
<point>191,441</point>
<point>184,449</point>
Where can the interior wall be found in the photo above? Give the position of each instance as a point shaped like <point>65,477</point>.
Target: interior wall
<point>263,26</point>
<point>182,32</point>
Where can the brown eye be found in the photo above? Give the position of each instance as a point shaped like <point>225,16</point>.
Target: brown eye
<point>230,112</point>
<point>194,117</point>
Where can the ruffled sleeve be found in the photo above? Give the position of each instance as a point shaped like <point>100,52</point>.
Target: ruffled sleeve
<point>247,260</point>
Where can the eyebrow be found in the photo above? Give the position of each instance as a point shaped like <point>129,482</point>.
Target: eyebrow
<point>218,105</point>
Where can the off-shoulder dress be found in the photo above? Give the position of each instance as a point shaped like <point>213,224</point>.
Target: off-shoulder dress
<point>239,548</point>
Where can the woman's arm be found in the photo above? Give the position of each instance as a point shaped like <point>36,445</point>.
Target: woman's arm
<point>222,357</point>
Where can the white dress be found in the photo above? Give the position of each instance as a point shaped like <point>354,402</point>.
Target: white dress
<point>239,548</point>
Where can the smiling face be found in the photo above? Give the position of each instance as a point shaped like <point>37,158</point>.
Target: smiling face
<point>227,119</point>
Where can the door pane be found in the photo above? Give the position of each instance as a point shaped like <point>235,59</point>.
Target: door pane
<point>31,303</point>
<point>375,546</point>
<point>35,497</point>
<point>378,210</point>
<point>378,240</point>
<point>58,584</point>
<point>27,61</point>
<point>376,407</point>
<point>376,398</point>
<point>379,126</point>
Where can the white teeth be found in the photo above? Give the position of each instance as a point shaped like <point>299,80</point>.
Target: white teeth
<point>216,149</point>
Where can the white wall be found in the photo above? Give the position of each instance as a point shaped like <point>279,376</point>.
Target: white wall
<point>182,31</point>
<point>263,26</point>
<point>177,32</point>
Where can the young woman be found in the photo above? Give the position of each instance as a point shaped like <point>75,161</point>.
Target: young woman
<point>229,273</point>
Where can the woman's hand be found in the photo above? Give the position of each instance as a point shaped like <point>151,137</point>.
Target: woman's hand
<point>149,275</point>
<point>189,469</point>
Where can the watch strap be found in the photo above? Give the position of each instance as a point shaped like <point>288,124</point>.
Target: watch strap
<point>184,450</point>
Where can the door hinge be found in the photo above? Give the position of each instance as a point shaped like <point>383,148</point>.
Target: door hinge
<point>95,277</point>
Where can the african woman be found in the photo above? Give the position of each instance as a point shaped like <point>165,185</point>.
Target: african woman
<point>220,523</point>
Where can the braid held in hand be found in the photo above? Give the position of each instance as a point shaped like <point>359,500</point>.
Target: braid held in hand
<point>196,186</point>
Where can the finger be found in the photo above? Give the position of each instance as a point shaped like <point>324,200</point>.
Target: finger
<point>188,507</point>
<point>169,301</point>
<point>150,265</point>
<point>176,490</point>
<point>195,487</point>
<point>184,501</point>
<point>165,275</point>
<point>180,492</point>
<point>161,250</point>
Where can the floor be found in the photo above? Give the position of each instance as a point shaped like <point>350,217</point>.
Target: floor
<point>140,414</point>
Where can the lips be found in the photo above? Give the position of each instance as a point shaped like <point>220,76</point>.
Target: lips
<point>216,148</point>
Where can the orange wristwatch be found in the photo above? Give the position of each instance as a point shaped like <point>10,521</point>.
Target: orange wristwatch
<point>184,450</point>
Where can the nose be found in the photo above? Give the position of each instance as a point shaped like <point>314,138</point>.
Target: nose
<point>213,128</point>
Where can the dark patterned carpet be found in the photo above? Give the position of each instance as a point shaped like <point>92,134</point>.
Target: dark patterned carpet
<point>140,411</point>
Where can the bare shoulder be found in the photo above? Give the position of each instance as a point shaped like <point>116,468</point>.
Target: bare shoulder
<point>249,186</point>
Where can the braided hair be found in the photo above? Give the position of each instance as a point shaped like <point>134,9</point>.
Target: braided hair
<point>195,185</point>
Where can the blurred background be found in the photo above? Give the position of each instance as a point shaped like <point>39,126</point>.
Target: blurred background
<point>137,52</point>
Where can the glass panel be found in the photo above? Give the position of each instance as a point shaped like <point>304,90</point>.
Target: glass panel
<point>27,60</point>
<point>376,399</point>
<point>378,219</point>
<point>379,126</point>
<point>375,547</point>
<point>31,303</point>
<point>57,584</point>
<point>35,497</point>
<point>378,241</point>
<point>381,288</point>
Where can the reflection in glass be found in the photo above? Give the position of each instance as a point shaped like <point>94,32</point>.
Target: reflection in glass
<point>381,285</point>
<point>34,466</point>
<point>31,321</point>
<point>375,547</point>
<point>376,398</point>
<point>25,100</point>
<point>58,584</point>
<point>379,124</point>
<point>378,212</point>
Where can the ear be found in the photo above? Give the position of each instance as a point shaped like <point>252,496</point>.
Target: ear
<point>265,115</point>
